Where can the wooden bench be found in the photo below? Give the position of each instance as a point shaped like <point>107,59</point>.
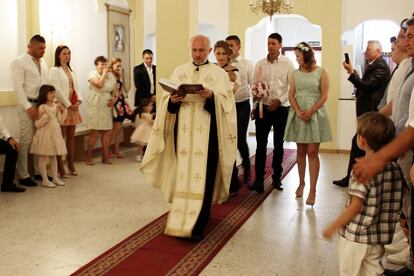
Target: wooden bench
<point>81,142</point>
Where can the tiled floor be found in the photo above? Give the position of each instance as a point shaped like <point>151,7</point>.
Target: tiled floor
<point>55,231</point>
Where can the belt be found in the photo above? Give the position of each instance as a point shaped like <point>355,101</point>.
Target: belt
<point>33,100</point>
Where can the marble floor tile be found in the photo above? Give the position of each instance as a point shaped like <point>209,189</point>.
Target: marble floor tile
<point>56,231</point>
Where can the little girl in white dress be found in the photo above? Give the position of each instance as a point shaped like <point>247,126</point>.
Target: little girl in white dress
<point>48,140</point>
<point>143,126</point>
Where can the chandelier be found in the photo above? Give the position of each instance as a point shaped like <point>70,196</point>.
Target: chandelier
<point>270,7</point>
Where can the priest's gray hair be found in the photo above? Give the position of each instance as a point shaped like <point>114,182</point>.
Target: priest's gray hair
<point>201,36</point>
<point>377,45</point>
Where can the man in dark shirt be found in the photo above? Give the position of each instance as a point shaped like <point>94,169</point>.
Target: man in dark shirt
<point>144,78</point>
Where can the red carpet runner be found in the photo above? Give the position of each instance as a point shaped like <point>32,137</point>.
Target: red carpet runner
<point>149,252</point>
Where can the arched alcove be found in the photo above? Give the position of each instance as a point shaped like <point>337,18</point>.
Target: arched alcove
<point>293,29</point>
<point>150,42</point>
<point>354,42</point>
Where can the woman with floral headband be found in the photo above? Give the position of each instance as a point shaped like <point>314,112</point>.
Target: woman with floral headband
<point>308,123</point>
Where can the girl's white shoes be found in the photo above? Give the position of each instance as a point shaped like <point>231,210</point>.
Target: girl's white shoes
<point>58,182</point>
<point>48,184</point>
<point>55,181</point>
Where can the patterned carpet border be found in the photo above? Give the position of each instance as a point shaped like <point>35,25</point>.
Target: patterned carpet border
<point>203,252</point>
<point>124,249</point>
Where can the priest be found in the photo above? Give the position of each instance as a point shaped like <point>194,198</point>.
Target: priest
<point>193,144</point>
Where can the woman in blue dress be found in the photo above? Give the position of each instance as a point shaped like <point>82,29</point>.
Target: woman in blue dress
<point>308,123</point>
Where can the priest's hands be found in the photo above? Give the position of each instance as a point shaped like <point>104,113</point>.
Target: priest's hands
<point>175,98</point>
<point>205,94</point>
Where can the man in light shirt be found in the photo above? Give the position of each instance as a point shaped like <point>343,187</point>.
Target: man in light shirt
<point>242,98</point>
<point>273,72</point>
<point>29,72</point>
<point>8,147</point>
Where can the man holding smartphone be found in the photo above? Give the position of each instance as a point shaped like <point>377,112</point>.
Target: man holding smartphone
<point>346,58</point>
<point>369,91</point>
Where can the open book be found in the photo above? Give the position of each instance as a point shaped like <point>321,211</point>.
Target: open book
<point>181,89</point>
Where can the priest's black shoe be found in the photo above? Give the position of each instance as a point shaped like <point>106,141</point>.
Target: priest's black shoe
<point>401,272</point>
<point>39,177</point>
<point>277,185</point>
<point>27,182</point>
<point>342,182</point>
<point>196,237</point>
<point>256,187</point>
<point>234,186</point>
<point>246,175</point>
<point>12,188</point>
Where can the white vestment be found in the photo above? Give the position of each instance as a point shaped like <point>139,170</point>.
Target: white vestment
<point>181,172</point>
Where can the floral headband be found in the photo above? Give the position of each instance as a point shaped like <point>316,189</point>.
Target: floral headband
<point>303,47</point>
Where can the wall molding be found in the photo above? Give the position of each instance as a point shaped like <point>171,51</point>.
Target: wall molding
<point>338,151</point>
<point>8,98</point>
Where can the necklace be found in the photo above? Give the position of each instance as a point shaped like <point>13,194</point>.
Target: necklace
<point>224,65</point>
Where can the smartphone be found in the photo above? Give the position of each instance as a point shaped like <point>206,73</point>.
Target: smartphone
<point>346,58</point>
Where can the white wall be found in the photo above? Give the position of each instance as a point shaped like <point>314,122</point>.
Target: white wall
<point>9,27</point>
<point>149,36</point>
<point>81,25</point>
<point>212,16</point>
<point>214,34</point>
<point>214,13</point>
<point>149,17</point>
<point>356,11</point>
<point>150,42</point>
<point>13,31</point>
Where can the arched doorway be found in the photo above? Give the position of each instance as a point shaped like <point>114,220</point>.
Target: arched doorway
<point>293,29</point>
<point>354,42</point>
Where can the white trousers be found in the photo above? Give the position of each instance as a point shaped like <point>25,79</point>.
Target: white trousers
<point>359,259</point>
<point>405,162</point>
<point>27,131</point>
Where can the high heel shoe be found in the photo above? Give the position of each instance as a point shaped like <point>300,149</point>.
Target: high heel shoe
<point>72,170</point>
<point>119,156</point>
<point>62,173</point>
<point>106,161</point>
<point>311,199</point>
<point>88,159</point>
<point>299,190</point>
<point>116,154</point>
